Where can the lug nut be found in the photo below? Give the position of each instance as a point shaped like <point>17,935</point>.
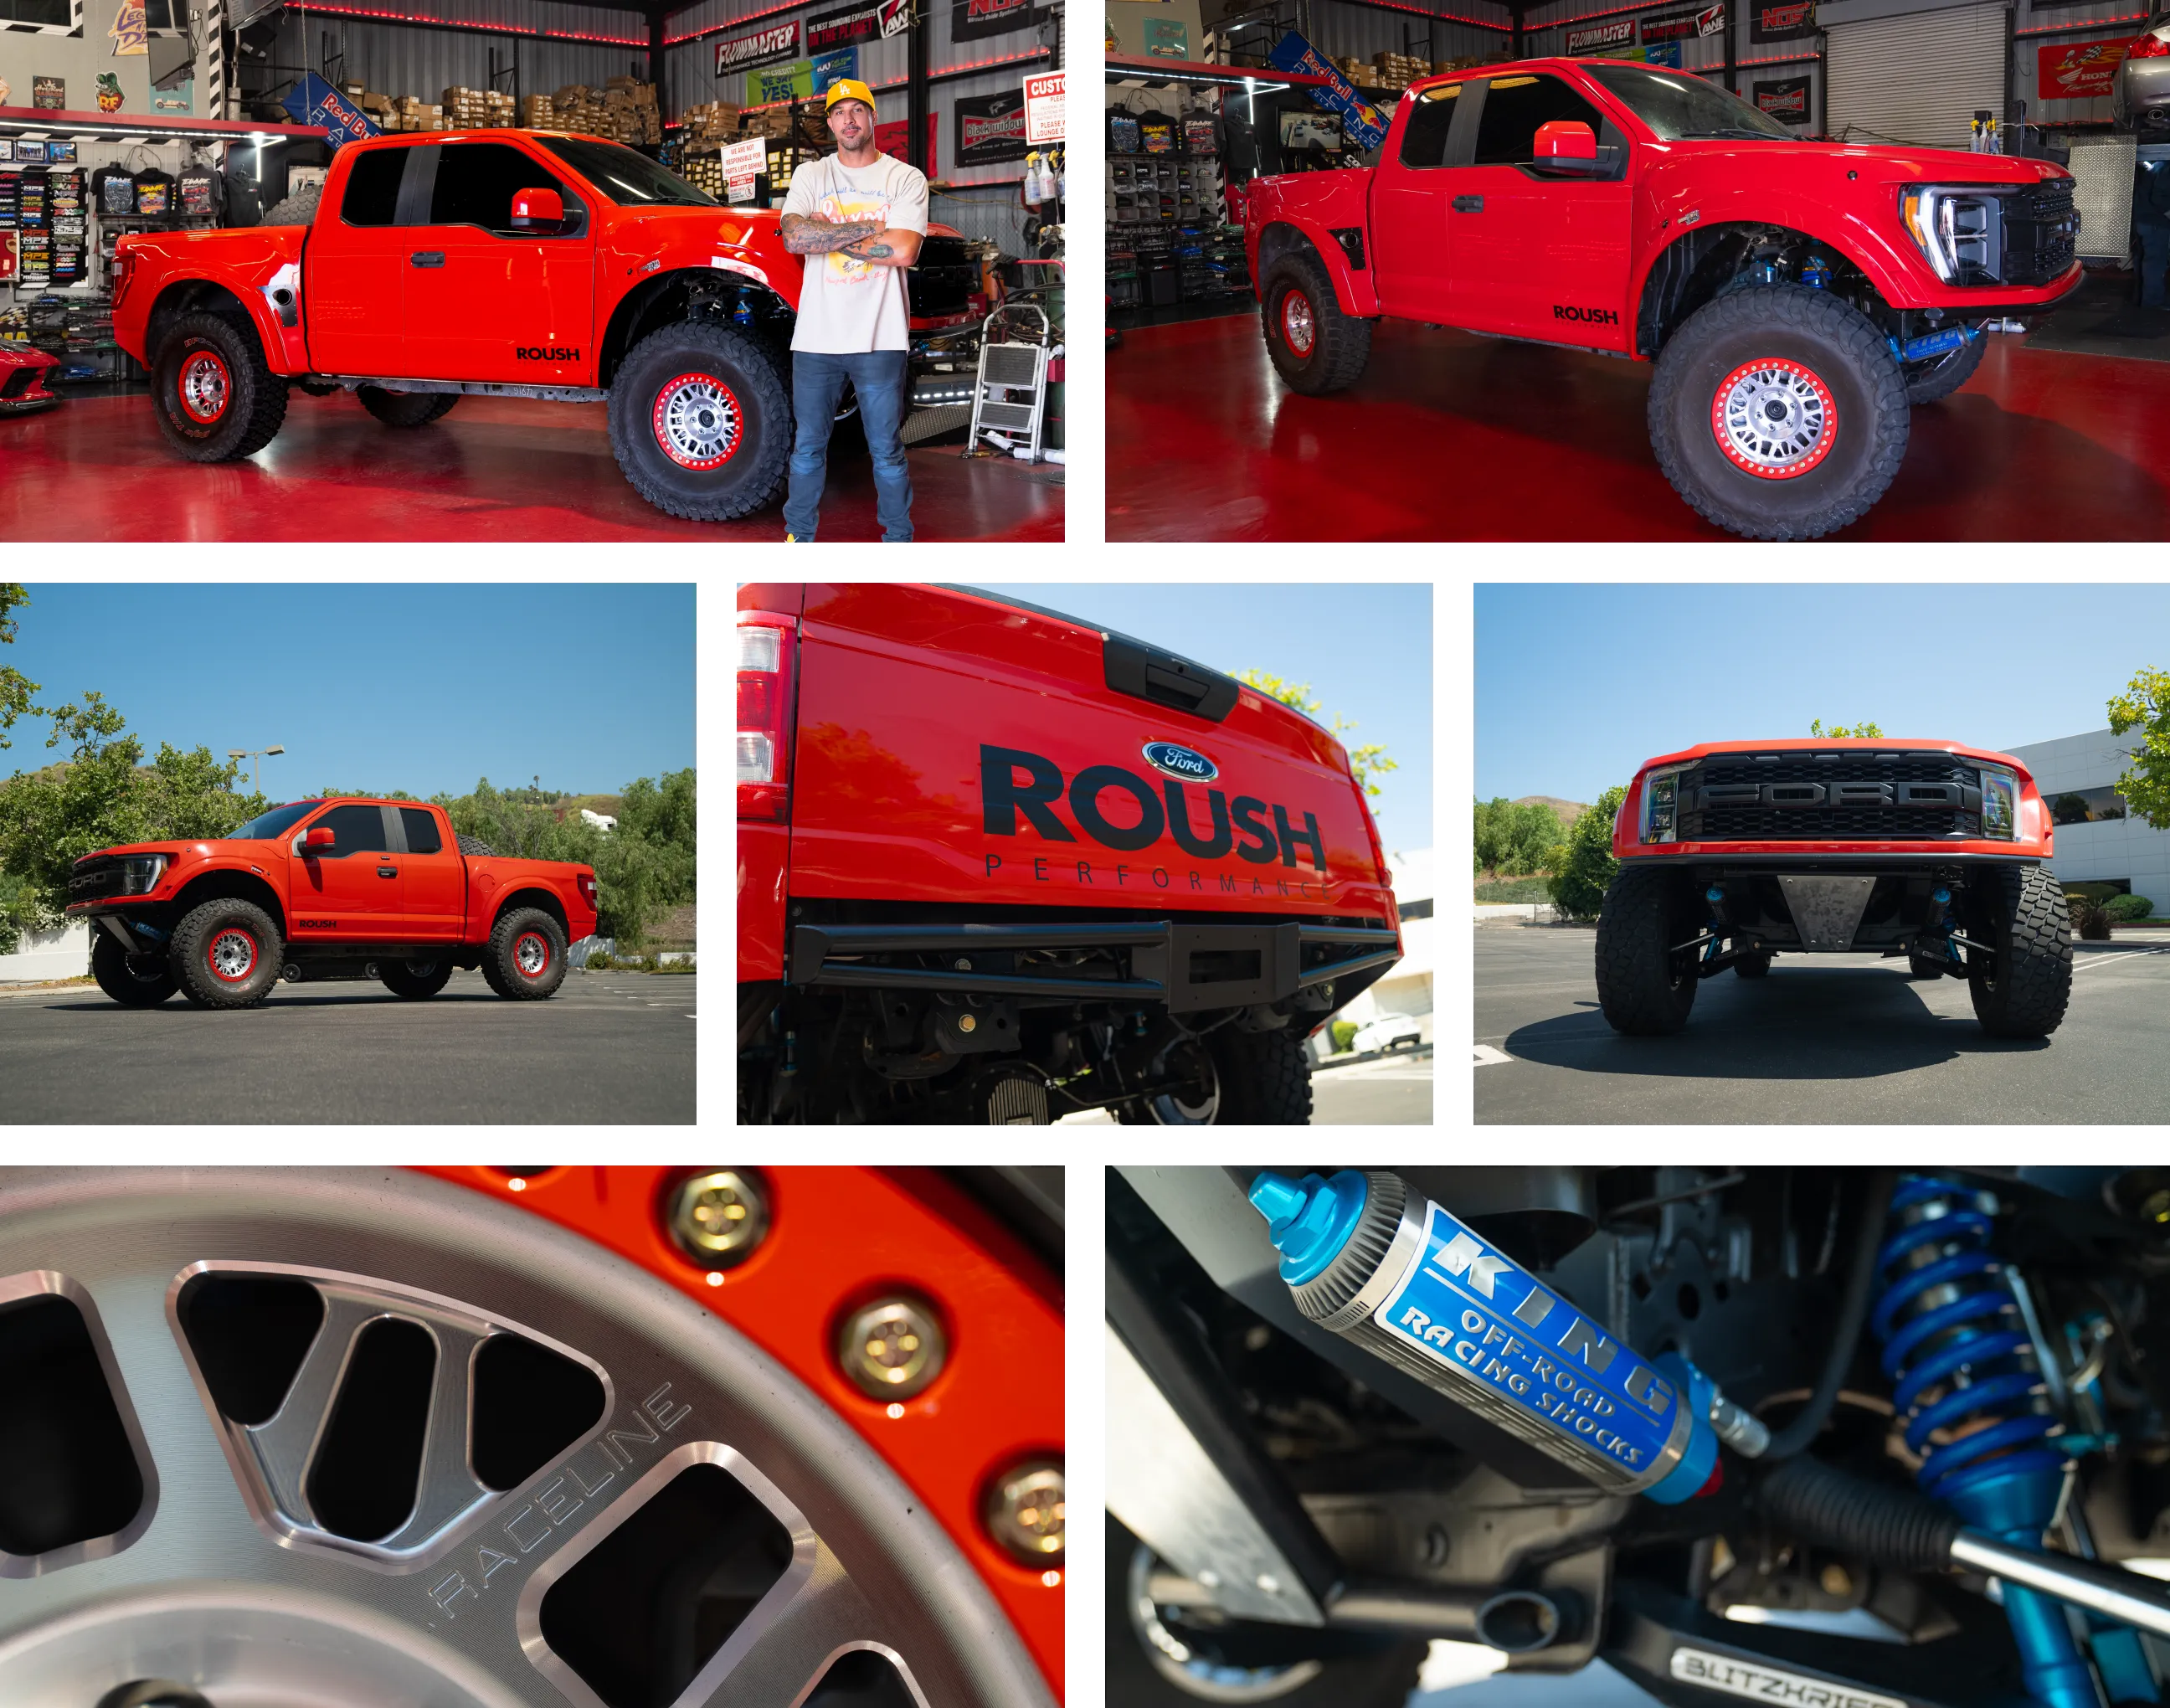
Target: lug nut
<point>1024,1510</point>
<point>720,1217</point>
<point>892,1348</point>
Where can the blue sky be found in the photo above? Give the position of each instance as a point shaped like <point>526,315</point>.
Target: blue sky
<point>1366,649</point>
<point>393,685</point>
<point>1577,685</point>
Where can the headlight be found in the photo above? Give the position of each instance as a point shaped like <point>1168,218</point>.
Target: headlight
<point>1661,810</point>
<point>2000,803</point>
<point>139,874</point>
<point>1957,230</point>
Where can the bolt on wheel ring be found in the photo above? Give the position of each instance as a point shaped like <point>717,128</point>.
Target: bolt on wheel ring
<point>1774,418</point>
<point>1299,324</point>
<point>204,386</point>
<point>231,954</point>
<point>699,422</point>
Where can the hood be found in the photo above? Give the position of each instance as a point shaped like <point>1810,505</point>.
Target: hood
<point>25,355</point>
<point>172,850</point>
<point>1819,744</point>
<point>1878,162</point>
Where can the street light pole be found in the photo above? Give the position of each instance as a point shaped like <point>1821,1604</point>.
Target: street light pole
<point>256,771</point>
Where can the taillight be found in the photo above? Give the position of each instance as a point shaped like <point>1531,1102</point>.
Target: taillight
<point>767,650</point>
<point>586,880</point>
<point>118,272</point>
<point>2149,47</point>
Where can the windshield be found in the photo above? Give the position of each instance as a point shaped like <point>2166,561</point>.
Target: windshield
<point>628,179</point>
<point>274,823</point>
<point>1679,103</point>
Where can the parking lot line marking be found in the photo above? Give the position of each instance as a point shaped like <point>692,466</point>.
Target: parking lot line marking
<point>2104,957</point>
<point>1487,1054</point>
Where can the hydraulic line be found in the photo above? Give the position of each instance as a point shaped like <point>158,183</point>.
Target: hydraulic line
<point>1845,1333</point>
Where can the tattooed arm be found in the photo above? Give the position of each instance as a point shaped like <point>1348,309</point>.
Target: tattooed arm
<point>810,234</point>
<point>893,248</point>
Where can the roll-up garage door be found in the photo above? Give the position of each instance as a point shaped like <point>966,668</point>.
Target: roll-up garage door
<point>1919,78</point>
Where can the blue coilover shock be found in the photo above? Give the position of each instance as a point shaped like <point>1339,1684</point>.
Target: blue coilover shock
<point>1963,1368</point>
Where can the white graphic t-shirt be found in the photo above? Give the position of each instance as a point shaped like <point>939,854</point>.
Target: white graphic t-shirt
<point>846,305</point>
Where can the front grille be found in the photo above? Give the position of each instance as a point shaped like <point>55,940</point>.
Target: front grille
<point>17,382</point>
<point>2041,233</point>
<point>1733,816</point>
<point>102,875</point>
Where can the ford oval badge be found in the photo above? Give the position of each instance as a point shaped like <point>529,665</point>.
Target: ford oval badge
<point>1180,762</point>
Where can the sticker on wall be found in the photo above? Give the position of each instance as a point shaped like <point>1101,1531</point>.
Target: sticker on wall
<point>1168,37</point>
<point>2079,71</point>
<point>833,68</point>
<point>50,92</point>
<point>130,32</point>
<point>1711,21</point>
<point>109,98</point>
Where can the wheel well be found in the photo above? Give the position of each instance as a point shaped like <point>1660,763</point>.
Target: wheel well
<point>1706,263</point>
<point>534,898</point>
<point>1281,239</point>
<point>693,293</point>
<point>240,886</point>
<point>192,297</point>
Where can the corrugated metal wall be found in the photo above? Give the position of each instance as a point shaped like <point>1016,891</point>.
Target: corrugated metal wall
<point>1341,31</point>
<point>692,77</point>
<point>393,60</point>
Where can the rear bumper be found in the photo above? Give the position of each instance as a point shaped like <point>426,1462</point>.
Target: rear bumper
<point>1169,963</point>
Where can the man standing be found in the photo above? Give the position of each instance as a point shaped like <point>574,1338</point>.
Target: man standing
<point>858,217</point>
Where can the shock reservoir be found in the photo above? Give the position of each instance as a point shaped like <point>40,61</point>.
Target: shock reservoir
<point>1369,1257</point>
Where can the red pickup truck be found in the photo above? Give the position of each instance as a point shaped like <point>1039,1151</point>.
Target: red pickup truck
<point>1797,297</point>
<point>384,889</point>
<point>996,864</point>
<point>506,263</point>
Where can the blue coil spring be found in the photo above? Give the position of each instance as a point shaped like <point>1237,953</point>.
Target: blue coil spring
<point>1964,1358</point>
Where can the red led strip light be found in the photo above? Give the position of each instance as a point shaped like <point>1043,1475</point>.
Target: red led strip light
<point>640,41</point>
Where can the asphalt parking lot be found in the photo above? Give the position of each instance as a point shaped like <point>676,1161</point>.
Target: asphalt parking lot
<point>1825,1038</point>
<point>1393,1090</point>
<point>609,1047</point>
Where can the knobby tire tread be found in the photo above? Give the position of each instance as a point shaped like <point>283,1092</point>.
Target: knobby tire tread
<point>2033,965</point>
<point>1342,346</point>
<point>1634,930</point>
<point>261,395</point>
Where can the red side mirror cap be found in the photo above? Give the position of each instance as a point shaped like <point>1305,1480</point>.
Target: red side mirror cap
<point>546,208</point>
<point>1562,139</point>
<point>318,837</point>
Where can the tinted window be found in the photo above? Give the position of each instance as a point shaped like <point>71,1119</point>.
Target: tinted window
<point>476,181</point>
<point>628,179</point>
<point>421,826</point>
<point>354,830</point>
<point>1431,115</point>
<point>1514,108</point>
<point>1676,104</point>
<point>372,188</point>
<point>276,822</point>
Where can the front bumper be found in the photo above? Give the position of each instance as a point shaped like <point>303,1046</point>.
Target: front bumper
<point>1186,967</point>
<point>1809,857</point>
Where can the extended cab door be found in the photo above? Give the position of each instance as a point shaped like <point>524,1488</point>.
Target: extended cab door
<point>433,878</point>
<point>1533,255</point>
<point>350,890</point>
<point>351,270</point>
<point>1411,226</point>
<point>484,302</point>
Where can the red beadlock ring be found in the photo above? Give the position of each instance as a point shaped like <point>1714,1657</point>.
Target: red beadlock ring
<point>839,1236</point>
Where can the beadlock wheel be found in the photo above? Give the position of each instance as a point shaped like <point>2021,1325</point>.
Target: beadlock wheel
<point>205,387</point>
<point>232,955</point>
<point>1774,418</point>
<point>353,1437</point>
<point>698,422</point>
<point>1299,326</point>
<point>532,954</point>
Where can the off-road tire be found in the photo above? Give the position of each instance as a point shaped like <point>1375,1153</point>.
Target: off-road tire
<point>1257,1080</point>
<point>298,209</point>
<point>214,968</point>
<point>752,476</point>
<point>474,846</point>
<point>1847,356</point>
<point>501,965</point>
<point>1365,1674</point>
<point>405,409</point>
<point>401,978</point>
<point>1940,379</point>
<point>1757,966</point>
<point>121,975</point>
<point>1924,966</point>
<point>1644,990</point>
<point>254,398</point>
<point>1341,343</point>
<point>2021,990</point>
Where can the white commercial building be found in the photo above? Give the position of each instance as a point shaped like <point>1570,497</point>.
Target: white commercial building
<point>2098,840</point>
<point>1407,987</point>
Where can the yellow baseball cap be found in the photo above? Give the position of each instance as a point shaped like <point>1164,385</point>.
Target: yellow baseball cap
<point>846,88</point>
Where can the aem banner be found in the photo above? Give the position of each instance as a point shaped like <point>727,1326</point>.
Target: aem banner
<point>2079,71</point>
<point>1363,125</point>
<point>1616,33</point>
<point>315,102</point>
<point>1043,108</point>
<point>737,52</point>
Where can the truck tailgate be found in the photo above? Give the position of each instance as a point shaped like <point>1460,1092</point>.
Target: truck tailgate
<point>941,737</point>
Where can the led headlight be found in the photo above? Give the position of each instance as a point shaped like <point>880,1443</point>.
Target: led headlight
<point>1958,229</point>
<point>1661,810</point>
<point>139,874</point>
<point>2000,803</point>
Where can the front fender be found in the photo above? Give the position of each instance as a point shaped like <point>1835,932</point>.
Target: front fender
<point>1352,291</point>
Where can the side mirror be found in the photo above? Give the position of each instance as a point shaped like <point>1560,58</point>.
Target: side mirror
<point>1569,148</point>
<point>542,212</point>
<point>318,835</point>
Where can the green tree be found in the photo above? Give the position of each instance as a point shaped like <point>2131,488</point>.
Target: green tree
<point>1366,762</point>
<point>1839,732</point>
<point>1516,838</point>
<point>15,687</point>
<point>1579,884</point>
<point>2144,706</point>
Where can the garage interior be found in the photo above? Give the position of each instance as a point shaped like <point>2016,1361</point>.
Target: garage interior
<point>205,128</point>
<point>2057,436</point>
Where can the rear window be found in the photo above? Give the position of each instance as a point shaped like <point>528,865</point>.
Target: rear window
<point>421,827</point>
<point>373,187</point>
<point>1432,116</point>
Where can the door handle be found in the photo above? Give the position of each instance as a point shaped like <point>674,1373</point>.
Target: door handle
<point>427,258</point>
<point>387,871</point>
<point>1469,204</point>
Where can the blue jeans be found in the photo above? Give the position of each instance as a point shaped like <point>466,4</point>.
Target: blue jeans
<point>878,380</point>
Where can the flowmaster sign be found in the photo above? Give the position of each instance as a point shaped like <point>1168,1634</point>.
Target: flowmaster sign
<point>1365,1255</point>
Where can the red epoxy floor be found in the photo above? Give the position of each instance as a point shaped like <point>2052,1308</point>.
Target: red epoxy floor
<point>1452,436</point>
<point>496,468</point>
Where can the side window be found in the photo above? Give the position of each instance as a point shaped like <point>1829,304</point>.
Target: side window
<point>372,188</point>
<point>421,827</point>
<point>1432,116</point>
<point>354,830</point>
<point>1515,106</point>
<point>476,181</point>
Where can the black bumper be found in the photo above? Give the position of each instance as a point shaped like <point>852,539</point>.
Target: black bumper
<point>1169,963</point>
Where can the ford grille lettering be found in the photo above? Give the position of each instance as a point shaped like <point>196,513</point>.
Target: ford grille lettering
<point>1949,796</point>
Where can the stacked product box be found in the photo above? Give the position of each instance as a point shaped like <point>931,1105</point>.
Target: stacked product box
<point>478,109</point>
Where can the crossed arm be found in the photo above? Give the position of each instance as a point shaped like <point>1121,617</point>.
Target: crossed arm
<point>863,240</point>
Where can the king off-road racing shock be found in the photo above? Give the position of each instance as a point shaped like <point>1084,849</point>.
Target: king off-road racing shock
<point>1382,1266</point>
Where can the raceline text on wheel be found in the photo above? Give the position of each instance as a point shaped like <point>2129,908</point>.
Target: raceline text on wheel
<point>354,1438</point>
<point>1733,854</point>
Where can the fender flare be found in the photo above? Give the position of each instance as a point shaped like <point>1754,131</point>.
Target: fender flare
<point>746,271</point>
<point>1354,295</point>
<point>230,877</point>
<point>179,297</point>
